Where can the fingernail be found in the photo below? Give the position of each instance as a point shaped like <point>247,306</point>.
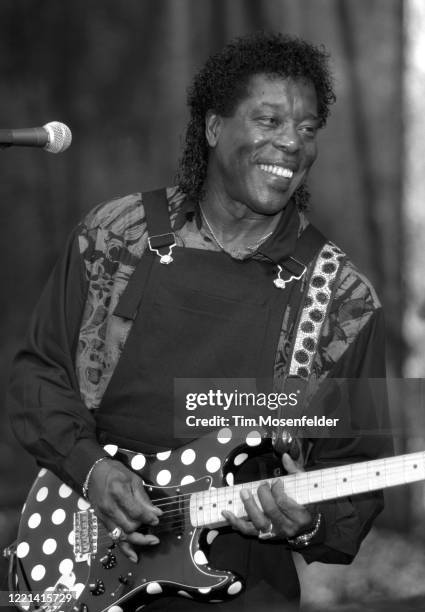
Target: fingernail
<point>133,557</point>
<point>245,494</point>
<point>154,541</point>
<point>154,521</point>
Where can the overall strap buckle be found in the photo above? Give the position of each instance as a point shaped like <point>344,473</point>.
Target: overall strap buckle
<point>160,241</point>
<point>295,272</point>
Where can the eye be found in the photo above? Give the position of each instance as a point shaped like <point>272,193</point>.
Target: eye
<point>308,130</point>
<point>268,120</point>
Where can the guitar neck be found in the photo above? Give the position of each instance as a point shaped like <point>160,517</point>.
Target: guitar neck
<point>312,487</point>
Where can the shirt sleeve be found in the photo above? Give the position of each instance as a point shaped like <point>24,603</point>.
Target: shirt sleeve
<point>47,413</point>
<point>358,397</point>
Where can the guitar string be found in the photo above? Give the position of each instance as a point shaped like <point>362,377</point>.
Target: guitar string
<point>223,495</point>
<point>300,483</point>
<point>168,519</point>
<point>168,516</point>
<point>298,486</point>
<point>172,522</point>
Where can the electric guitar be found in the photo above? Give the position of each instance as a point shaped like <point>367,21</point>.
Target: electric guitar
<point>65,561</point>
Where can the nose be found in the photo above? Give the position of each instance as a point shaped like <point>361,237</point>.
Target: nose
<point>288,139</point>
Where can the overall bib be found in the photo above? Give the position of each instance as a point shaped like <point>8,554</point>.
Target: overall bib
<point>205,315</point>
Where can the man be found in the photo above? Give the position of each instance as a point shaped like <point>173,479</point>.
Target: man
<point>115,326</point>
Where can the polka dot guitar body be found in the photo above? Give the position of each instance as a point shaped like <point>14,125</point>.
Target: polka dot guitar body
<point>65,556</point>
<point>63,548</point>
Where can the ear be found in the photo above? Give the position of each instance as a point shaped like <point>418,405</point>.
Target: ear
<point>213,123</point>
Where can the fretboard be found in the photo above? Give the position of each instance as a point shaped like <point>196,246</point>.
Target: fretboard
<point>312,487</point>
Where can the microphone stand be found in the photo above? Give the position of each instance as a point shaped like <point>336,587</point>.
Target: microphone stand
<point>6,139</point>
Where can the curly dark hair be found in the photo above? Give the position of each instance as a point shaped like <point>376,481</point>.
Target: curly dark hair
<point>223,82</point>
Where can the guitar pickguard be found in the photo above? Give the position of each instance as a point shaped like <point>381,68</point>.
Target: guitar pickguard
<point>63,548</point>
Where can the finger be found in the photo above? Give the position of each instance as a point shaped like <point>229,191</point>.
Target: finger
<point>142,539</point>
<point>286,503</point>
<point>142,498</point>
<point>283,525</point>
<point>295,517</point>
<point>290,465</point>
<point>132,500</point>
<point>245,527</point>
<point>113,486</point>
<point>268,503</point>
<point>127,542</point>
<point>114,517</point>
<point>143,504</point>
<point>129,551</point>
<point>255,513</point>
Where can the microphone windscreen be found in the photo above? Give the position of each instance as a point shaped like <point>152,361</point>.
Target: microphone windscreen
<point>60,137</point>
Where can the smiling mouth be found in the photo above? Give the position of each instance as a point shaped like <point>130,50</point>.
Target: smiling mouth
<point>277,170</point>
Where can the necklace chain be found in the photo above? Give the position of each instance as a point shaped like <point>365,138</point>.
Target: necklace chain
<point>256,245</point>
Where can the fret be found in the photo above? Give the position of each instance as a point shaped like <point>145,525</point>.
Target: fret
<point>228,496</point>
<point>343,480</point>
<point>414,467</point>
<point>395,470</point>
<point>359,478</point>
<point>238,507</point>
<point>291,485</point>
<point>253,488</point>
<point>225,504</point>
<point>376,475</point>
<point>222,494</point>
<point>295,486</point>
<point>235,499</point>
<point>400,469</point>
<point>206,508</point>
<point>192,510</point>
<point>214,505</point>
<point>203,508</point>
<point>329,480</point>
<point>314,486</point>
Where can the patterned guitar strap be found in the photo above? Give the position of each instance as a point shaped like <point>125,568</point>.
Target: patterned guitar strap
<point>311,312</point>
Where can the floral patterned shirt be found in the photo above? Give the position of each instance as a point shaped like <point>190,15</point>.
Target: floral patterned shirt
<point>74,344</point>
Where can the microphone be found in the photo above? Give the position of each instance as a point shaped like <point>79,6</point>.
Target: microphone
<point>53,137</point>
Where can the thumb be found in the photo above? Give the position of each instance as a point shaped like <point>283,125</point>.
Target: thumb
<point>290,465</point>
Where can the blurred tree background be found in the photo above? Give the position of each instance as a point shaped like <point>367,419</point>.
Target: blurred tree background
<point>116,72</point>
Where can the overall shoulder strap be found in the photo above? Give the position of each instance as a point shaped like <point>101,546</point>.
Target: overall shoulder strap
<point>160,238</point>
<point>309,244</point>
<point>295,266</point>
<point>158,222</point>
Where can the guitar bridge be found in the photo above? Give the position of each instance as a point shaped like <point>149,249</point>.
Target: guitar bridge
<point>86,531</point>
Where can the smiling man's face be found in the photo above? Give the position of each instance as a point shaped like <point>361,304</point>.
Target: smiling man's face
<point>263,152</point>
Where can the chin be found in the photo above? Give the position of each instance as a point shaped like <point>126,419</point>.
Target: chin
<point>271,207</point>
<point>270,201</point>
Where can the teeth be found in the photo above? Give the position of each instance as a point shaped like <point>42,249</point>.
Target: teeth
<point>278,170</point>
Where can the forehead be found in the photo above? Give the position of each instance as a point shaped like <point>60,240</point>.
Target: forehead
<point>281,92</point>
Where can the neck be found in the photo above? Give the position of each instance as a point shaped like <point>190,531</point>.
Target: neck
<point>312,487</point>
<point>233,223</point>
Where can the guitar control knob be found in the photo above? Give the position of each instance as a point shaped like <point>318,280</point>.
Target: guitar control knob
<point>109,561</point>
<point>97,588</point>
<point>127,580</point>
<point>83,608</point>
